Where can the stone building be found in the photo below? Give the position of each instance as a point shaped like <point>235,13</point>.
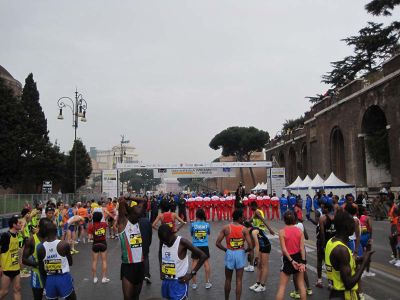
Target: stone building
<point>11,82</point>
<point>338,130</point>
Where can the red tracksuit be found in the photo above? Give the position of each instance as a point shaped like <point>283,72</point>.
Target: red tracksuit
<point>207,207</point>
<point>275,207</point>
<point>266,205</point>
<point>252,198</point>
<point>245,206</point>
<point>214,206</point>
<point>192,207</point>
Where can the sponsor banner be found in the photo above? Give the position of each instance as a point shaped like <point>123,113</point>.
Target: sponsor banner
<point>276,180</point>
<point>109,183</point>
<point>232,164</point>
<point>194,173</point>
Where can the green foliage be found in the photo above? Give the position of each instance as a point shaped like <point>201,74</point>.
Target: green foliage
<point>140,179</point>
<point>293,124</point>
<point>240,142</point>
<point>378,147</point>
<point>11,134</point>
<point>372,46</point>
<point>83,167</point>
<point>381,7</point>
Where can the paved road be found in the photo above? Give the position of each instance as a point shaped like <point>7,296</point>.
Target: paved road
<point>384,286</point>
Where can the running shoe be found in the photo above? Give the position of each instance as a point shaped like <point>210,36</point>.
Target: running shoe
<point>309,292</point>
<point>319,284</point>
<point>105,280</point>
<point>147,279</point>
<point>294,295</point>
<point>260,289</point>
<point>208,285</point>
<point>25,273</point>
<point>393,261</point>
<point>95,280</point>
<point>361,296</point>
<point>249,268</point>
<point>370,274</point>
<point>397,264</point>
<point>254,286</point>
<point>194,286</point>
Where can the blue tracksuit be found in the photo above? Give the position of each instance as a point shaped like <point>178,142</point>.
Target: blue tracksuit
<point>308,207</point>
<point>292,202</point>
<point>283,202</point>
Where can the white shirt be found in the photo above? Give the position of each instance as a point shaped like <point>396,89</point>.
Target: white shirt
<point>171,265</point>
<point>54,263</point>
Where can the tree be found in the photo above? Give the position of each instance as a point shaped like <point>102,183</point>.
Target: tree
<point>11,134</point>
<point>381,7</point>
<point>372,46</point>
<point>140,179</point>
<point>293,124</point>
<point>83,167</point>
<point>240,142</point>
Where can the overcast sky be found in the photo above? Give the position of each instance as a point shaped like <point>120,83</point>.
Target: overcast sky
<point>169,75</point>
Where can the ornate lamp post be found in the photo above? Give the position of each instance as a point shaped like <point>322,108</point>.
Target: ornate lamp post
<point>78,108</point>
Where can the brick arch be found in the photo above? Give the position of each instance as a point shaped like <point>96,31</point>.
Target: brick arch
<point>304,159</point>
<point>292,164</point>
<point>281,159</point>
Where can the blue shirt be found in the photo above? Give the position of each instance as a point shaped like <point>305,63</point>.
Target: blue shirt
<point>329,200</point>
<point>200,231</point>
<point>292,201</point>
<point>283,202</point>
<point>70,212</point>
<point>341,201</point>
<point>316,203</point>
<point>308,203</point>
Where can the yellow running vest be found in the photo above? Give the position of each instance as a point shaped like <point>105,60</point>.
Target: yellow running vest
<point>258,222</point>
<point>334,275</point>
<point>10,259</point>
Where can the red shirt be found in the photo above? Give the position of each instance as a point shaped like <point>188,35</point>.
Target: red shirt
<point>98,230</point>
<point>292,239</point>
<point>235,238</point>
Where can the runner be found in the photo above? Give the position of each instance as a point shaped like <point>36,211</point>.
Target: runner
<point>206,206</point>
<point>354,239</point>
<point>214,205</point>
<point>275,207</point>
<point>9,259</point>
<point>262,249</point>
<point>182,208</point>
<point>174,263</point>
<point>30,258</point>
<point>258,222</point>
<point>266,203</point>
<point>55,259</point>
<point>342,272</point>
<point>167,217</point>
<point>324,232</point>
<point>366,237</point>
<point>293,256</point>
<point>200,230</point>
<point>82,226</point>
<point>235,235</point>
<point>71,225</point>
<point>130,236</point>
<point>98,231</point>
<point>393,218</point>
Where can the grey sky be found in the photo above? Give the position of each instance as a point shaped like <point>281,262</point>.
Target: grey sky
<point>171,74</point>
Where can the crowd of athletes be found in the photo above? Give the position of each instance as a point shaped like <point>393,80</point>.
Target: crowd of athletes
<point>59,227</point>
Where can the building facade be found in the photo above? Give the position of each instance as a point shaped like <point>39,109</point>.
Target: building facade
<point>354,134</point>
<point>11,82</point>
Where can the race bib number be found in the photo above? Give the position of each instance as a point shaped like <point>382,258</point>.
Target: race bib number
<point>168,269</point>
<point>135,240</point>
<point>171,225</point>
<point>200,235</point>
<point>236,243</point>
<point>53,266</point>
<point>14,258</point>
<point>100,232</point>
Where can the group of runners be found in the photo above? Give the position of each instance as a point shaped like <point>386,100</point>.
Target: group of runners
<point>48,245</point>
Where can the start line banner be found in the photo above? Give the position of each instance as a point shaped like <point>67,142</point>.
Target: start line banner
<point>194,173</point>
<point>212,165</point>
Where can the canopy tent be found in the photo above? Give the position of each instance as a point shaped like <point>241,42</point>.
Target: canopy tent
<point>295,184</point>
<point>257,187</point>
<point>336,186</point>
<point>317,182</point>
<point>304,188</point>
<point>264,186</point>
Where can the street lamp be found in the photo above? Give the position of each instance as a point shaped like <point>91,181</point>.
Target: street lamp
<point>78,108</point>
<point>122,154</point>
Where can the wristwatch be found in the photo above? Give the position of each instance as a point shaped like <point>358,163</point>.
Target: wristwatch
<point>193,273</point>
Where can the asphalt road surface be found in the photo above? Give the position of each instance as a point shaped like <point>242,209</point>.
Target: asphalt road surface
<point>386,284</point>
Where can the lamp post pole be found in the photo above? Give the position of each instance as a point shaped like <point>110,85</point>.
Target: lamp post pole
<point>78,108</point>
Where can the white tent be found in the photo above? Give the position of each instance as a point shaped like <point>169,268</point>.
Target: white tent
<point>264,186</point>
<point>304,188</point>
<point>295,184</point>
<point>257,187</point>
<point>336,186</point>
<point>317,182</point>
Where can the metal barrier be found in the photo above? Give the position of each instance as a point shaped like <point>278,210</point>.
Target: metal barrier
<point>14,203</point>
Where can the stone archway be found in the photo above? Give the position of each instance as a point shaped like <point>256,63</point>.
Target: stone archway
<point>338,161</point>
<point>377,151</point>
<point>304,161</point>
<point>281,159</point>
<point>292,172</point>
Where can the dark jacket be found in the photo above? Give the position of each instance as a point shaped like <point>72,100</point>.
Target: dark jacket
<point>147,233</point>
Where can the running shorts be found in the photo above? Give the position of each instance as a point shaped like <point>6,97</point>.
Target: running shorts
<point>59,286</point>
<point>206,251</point>
<point>287,266</point>
<point>235,259</point>
<point>11,274</point>
<point>100,246</point>
<point>364,238</point>
<point>265,245</point>
<point>174,290</point>
<point>134,273</point>
<point>352,245</point>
